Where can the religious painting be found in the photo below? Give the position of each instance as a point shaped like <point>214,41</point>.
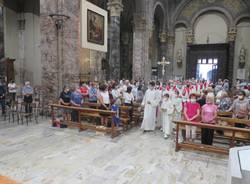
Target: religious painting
<point>95,26</point>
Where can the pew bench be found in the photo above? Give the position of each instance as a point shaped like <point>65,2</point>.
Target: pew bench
<point>87,112</point>
<point>201,147</point>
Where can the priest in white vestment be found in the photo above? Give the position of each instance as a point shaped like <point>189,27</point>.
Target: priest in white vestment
<point>150,103</point>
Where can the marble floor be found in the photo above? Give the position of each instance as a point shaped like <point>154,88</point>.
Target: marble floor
<point>40,154</point>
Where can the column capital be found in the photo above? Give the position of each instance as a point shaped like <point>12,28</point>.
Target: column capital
<point>189,36</point>
<point>163,37</point>
<point>171,37</point>
<point>139,22</point>
<point>232,33</point>
<point>115,7</point>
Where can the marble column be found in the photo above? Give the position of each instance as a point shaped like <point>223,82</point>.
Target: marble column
<point>232,33</point>
<point>57,72</point>
<point>140,48</point>
<point>115,8</point>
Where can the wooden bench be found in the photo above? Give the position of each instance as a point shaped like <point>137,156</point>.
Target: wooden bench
<point>201,147</point>
<point>224,121</point>
<point>82,125</point>
<point>137,113</point>
<point>224,114</point>
<point>123,112</point>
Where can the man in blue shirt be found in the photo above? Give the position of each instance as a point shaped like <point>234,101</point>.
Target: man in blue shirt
<point>76,101</point>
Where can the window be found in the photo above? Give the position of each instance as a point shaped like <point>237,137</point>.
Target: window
<point>204,61</point>
<point>210,61</point>
<point>215,61</point>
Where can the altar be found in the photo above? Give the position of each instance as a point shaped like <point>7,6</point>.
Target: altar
<point>239,166</point>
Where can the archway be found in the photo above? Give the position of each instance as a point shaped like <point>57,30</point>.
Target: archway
<point>207,57</point>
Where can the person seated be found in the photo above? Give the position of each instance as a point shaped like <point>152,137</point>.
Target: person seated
<point>27,92</point>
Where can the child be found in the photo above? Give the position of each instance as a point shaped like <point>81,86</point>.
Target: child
<point>167,110</point>
<point>191,113</point>
<point>116,107</point>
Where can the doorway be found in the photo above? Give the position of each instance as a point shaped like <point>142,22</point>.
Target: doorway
<point>208,61</point>
<point>207,69</point>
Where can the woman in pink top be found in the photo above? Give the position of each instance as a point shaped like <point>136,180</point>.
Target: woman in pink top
<point>208,115</point>
<point>191,113</point>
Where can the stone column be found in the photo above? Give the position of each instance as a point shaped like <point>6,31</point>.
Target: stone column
<point>115,8</point>
<point>189,41</point>
<point>140,48</point>
<point>232,33</point>
<point>170,55</point>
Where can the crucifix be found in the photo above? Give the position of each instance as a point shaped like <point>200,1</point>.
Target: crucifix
<point>163,63</point>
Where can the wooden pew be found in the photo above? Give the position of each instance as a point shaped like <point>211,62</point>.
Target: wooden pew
<point>201,147</point>
<point>137,114</point>
<point>224,121</point>
<point>224,114</point>
<point>81,125</point>
<point>124,113</point>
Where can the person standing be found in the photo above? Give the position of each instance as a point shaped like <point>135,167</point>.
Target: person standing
<point>92,93</point>
<point>167,110</point>
<point>241,108</point>
<point>2,97</point>
<point>65,97</point>
<point>104,100</point>
<point>27,92</point>
<point>76,100</point>
<point>12,88</point>
<point>150,103</point>
<point>191,113</point>
<point>208,115</point>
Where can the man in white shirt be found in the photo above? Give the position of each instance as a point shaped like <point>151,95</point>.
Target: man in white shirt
<point>12,91</point>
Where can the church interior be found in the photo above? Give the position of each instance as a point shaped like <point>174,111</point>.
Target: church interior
<point>174,46</point>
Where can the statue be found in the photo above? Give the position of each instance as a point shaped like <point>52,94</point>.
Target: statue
<point>242,57</point>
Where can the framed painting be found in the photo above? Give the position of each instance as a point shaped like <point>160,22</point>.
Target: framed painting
<point>94,27</point>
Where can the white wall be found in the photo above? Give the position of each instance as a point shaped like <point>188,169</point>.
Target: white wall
<point>212,26</point>
<point>242,40</point>
<point>180,43</point>
<point>30,41</point>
